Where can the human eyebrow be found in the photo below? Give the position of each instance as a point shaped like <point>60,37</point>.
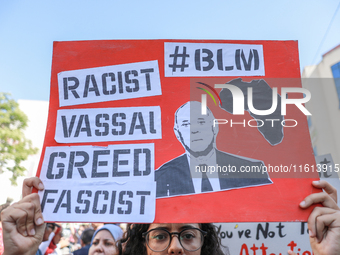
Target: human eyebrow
<point>187,227</point>
<point>161,228</point>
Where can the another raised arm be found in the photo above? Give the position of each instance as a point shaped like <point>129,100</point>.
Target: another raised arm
<point>22,223</point>
<point>323,222</point>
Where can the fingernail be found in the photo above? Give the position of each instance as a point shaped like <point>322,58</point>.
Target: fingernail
<point>40,221</point>
<point>25,233</point>
<point>316,182</point>
<point>310,233</point>
<point>32,232</point>
<point>303,203</point>
<point>41,186</point>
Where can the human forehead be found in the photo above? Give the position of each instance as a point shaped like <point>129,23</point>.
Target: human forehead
<point>187,116</point>
<point>104,234</point>
<point>174,227</point>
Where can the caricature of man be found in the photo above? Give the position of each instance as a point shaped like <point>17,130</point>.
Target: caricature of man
<point>204,168</point>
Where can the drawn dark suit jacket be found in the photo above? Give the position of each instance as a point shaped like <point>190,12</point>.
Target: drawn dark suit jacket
<point>174,177</point>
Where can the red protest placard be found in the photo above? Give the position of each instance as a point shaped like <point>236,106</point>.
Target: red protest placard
<point>142,101</point>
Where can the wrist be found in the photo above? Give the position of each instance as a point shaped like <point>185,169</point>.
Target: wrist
<point>24,253</point>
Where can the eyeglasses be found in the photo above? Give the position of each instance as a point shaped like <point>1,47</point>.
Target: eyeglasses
<point>50,225</point>
<point>159,239</point>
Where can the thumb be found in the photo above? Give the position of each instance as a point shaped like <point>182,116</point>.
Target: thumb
<point>40,230</point>
<point>312,239</point>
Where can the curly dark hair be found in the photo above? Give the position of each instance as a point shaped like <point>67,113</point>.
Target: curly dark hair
<point>133,243</point>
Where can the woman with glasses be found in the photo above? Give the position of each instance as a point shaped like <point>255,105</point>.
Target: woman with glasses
<point>170,238</point>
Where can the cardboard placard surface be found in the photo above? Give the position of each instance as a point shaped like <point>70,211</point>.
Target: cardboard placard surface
<point>131,93</point>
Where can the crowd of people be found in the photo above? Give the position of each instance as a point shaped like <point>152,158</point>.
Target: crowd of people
<point>25,233</point>
<point>61,239</point>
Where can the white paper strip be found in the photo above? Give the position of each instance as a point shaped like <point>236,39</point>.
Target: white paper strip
<point>109,83</point>
<point>98,201</point>
<point>213,59</point>
<point>115,163</point>
<point>108,124</point>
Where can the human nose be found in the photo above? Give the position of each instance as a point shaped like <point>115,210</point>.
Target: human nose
<point>99,248</point>
<point>175,246</point>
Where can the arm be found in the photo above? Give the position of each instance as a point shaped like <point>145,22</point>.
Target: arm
<point>22,223</point>
<point>44,245</point>
<point>323,222</point>
<point>74,232</point>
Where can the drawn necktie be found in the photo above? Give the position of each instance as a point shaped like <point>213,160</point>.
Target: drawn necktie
<point>205,186</point>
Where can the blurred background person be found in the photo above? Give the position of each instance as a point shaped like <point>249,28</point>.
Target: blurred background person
<point>85,241</point>
<point>48,236</point>
<point>52,247</point>
<point>105,240</point>
<point>96,225</point>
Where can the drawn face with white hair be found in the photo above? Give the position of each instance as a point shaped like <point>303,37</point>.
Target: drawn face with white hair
<point>194,130</point>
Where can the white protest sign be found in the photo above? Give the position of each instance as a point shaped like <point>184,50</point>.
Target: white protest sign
<point>108,124</point>
<point>265,238</point>
<point>108,83</point>
<point>98,201</point>
<point>213,59</point>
